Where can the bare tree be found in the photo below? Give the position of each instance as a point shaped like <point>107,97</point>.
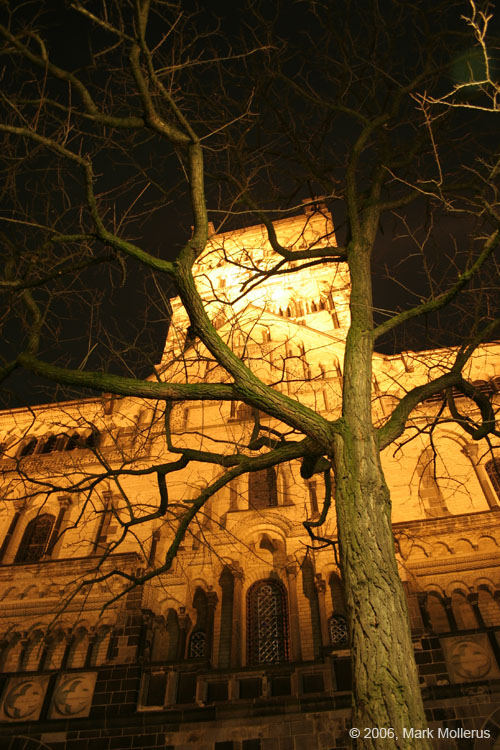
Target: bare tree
<point>355,119</point>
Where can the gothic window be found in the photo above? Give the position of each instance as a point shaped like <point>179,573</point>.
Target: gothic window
<point>36,539</point>
<point>337,631</point>
<point>267,623</point>
<point>493,471</point>
<point>262,489</point>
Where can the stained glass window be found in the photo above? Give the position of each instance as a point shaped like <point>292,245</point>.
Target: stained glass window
<point>267,623</point>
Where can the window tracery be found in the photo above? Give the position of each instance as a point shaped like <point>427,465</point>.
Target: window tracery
<point>267,623</point>
<point>337,631</point>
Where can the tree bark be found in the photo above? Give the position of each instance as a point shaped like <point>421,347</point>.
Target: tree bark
<point>386,691</point>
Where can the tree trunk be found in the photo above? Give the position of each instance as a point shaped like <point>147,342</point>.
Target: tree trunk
<point>386,686</point>
<point>385,680</point>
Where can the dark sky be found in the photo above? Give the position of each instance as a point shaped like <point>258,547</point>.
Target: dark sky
<point>115,317</point>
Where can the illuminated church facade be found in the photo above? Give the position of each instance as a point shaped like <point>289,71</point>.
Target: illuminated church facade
<point>242,644</point>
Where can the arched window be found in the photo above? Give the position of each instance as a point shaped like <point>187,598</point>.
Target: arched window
<point>493,472</point>
<point>463,612</point>
<point>262,489</point>
<point>55,648</point>
<point>79,646</point>
<point>267,622</point>
<point>73,442</point>
<point>437,613</point>
<point>100,646</point>
<point>28,448</point>
<point>49,444</point>
<point>33,651</point>
<point>36,539</point>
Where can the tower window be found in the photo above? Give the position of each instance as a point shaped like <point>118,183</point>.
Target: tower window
<point>262,489</point>
<point>28,448</point>
<point>267,623</point>
<point>35,539</point>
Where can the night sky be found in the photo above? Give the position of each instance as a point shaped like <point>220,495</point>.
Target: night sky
<point>115,315</point>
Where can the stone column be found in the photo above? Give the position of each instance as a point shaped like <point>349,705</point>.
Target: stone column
<point>321,591</point>
<point>295,640</point>
<point>184,623</point>
<point>212,600</point>
<point>238,617</point>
